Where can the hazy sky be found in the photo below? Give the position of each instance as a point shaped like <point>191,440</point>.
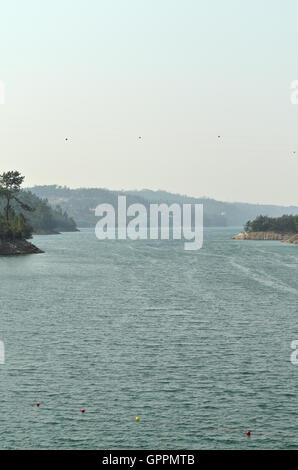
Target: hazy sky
<point>176,72</point>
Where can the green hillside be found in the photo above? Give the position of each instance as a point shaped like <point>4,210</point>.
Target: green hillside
<point>81,203</point>
<point>44,219</point>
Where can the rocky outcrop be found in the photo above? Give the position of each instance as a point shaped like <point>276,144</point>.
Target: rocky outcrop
<point>283,237</point>
<point>17,247</point>
<point>292,239</point>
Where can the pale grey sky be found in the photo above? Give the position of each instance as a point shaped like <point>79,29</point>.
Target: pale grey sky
<point>178,73</point>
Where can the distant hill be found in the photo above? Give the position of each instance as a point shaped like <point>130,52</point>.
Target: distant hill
<point>81,203</point>
<point>218,213</point>
<point>44,219</point>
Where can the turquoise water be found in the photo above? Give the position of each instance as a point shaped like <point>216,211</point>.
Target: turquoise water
<point>197,344</point>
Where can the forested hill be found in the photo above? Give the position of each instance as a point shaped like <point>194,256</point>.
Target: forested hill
<point>284,224</point>
<point>80,204</point>
<point>219,213</point>
<point>45,218</point>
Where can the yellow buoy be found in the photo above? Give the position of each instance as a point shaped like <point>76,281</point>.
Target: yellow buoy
<point>137,418</point>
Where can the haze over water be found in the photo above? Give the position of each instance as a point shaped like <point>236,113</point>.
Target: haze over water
<point>196,344</point>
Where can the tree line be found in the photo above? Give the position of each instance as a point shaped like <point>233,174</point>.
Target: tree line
<point>23,213</point>
<point>263,223</point>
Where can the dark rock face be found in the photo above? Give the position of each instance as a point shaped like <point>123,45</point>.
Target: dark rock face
<point>17,247</point>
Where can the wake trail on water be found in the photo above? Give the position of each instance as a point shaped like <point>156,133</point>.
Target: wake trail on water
<point>263,278</point>
<point>276,258</point>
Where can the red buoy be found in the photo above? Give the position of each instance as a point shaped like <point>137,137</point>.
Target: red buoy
<point>37,404</point>
<point>83,411</point>
<point>248,433</point>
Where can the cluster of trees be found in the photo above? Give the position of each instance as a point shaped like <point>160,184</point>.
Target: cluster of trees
<point>47,219</point>
<point>263,223</point>
<point>13,226</point>
<point>39,218</point>
<point>17,228</point>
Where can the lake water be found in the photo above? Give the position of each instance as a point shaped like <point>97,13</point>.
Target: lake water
<point>197,344</point>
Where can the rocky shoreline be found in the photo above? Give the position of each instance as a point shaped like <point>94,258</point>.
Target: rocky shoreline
<point>18,247</point>
<point>283,237</point>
